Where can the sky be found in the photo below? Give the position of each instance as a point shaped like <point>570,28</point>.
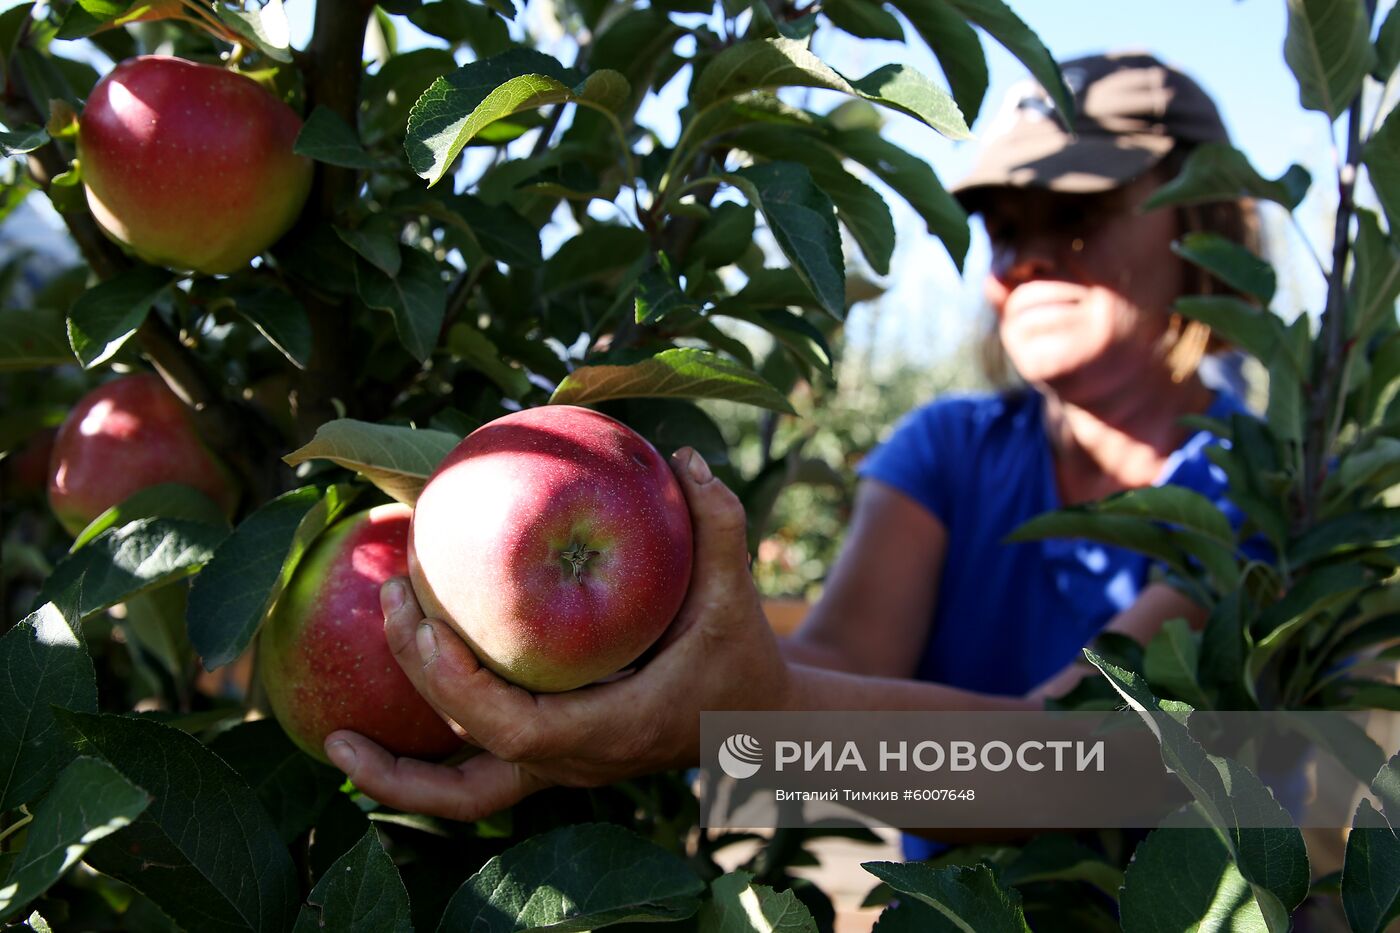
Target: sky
<point>1233,48</point>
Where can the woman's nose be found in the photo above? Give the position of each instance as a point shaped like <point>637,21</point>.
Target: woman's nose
<point>1031,257</point>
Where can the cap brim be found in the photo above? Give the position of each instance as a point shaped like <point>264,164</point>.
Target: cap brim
<point>1086,165</point>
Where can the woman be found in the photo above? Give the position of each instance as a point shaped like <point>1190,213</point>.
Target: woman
<point>925,608</point>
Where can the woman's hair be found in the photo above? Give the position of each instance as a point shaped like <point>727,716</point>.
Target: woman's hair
<point>1186,342</point>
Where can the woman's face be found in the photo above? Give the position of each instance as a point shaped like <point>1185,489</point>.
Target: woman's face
<point>1082,286</point>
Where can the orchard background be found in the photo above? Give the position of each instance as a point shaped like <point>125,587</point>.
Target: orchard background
<point>489,227</point>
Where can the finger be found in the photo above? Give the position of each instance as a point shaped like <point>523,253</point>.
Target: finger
<point>501,717</point>
<point>719,524</point>
<point>472,790</point>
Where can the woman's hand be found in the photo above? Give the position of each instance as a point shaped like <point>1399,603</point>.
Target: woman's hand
<point>717,654</point>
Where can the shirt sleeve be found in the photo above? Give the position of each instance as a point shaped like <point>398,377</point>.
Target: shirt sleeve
<point>915,459</point>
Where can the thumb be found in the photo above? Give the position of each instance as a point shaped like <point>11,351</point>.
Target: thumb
<point>719,526</point>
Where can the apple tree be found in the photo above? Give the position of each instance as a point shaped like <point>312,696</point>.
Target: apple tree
<point>476,225</point>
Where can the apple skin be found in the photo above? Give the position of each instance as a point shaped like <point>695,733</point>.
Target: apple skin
<point>190,166</point>
<point>122,437</point>
<point>325,663</point>
<point>493,528</point>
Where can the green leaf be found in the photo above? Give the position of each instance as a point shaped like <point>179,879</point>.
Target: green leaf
<point>1263,842</point>
<point>968,897</point>
<point>595,252</point>
<point>956,46</point>
<point>1219,172</point>
<point>803,220</point>
<point>459,105</point>
<point>1328,48</point>
<point>265,27</point>
<point>461,21</point>
<point>107,314</point>
<point>249,570</point>
<point>280,317</point>
<point>1387,47</point>
<point>164,500</point>
<point>293,787</point>
<point>797,334</point>
<point>575,878</point>
<point>858,206</point>
<point>122,562</point>
<point>417,297</point>
<point>475,348</point>
<point>1128,531</point>
<point>1375,282</point>
<point>1382,158</point>
<point>1181,878</point>
<point>396,458</point>
<point>1174,505</point>
<point>659,293</point>
<point>737,905</point>
<point>1230,262</point>
<point>361,891</point>
<point>684,373</point>
<point>1371,872</point>
<point>864,19</point>
<point>498,229</point>
<point>204,850</point>
<point>1359,530</point>
<point>25,139</point>
<point>768,64</point>
<point>1254,330</point>
<point>89,801</point>
<point>33,338</point>
<point>1059,857</point>
<point>43,666</point>
<point>327,138</point>
<point>912,179</point>
<point>377,243</point>
<point>723,239</point>
<point>1171,661</point>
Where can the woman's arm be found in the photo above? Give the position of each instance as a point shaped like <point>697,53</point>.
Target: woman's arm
<point>874,614</point>
<point>718,654</point>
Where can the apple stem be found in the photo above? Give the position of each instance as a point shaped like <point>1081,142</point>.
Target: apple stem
<point>578,556</point>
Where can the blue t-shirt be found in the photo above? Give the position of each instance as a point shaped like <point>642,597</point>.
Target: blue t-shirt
<point>1010,616</point>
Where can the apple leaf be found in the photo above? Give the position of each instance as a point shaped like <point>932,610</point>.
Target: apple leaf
<point>1002,24</point>
<point>294,788</point>
<point>1230,262</point>
<point>88,802</point>
<point>139,556</point>
<point>768,64</point>
<point>43,666</point>
<point>396,458</point>
<point>1387,47</point>
<point>1219,172</point>
<point>725,237</point>
<point>164,500</point>
<point>280,317</point>
<point>473,347</point>
<point>864,19</point>
<point>737,905</point>
<point>498,229</point>
<point>596,874</point>
<point>267,28</point>
<point>1263,842</point>
<point>913,180</point>
<point>1382,158</point>
<point>377,243</point>
<point>417,298</point>
<point>802,219</point>
<point>327,138</point>
<point>1181,878</point>
<point>361,891</point>
<point>33,338</point>
<point>1375,283</point>
<point>25,139</point>
<point>204,850</point>
<point>252,566</point>
<point>1328,48</point>
<point>968,897</point>
<point>683,373</point>
<point>659,293</point>
<point>107,314</point>
<point>1371,872</point>
<point>956,46</point>
<point>860,207</point>
<point>457,106</point>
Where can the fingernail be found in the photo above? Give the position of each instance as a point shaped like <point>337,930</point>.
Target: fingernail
<point>427,642</point>
<point>342,753</point>
<point>699,469</point>
<point>393,597</point>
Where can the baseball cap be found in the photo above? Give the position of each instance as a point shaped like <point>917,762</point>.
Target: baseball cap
<point>1130,110</point>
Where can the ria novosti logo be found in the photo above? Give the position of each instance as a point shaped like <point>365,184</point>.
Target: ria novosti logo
<point>740,756</point>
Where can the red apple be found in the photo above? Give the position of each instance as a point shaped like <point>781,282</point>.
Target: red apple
<point>122,437</point>
<point>325,663</point>
<point>556,541</point>
<point>189,165</point>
